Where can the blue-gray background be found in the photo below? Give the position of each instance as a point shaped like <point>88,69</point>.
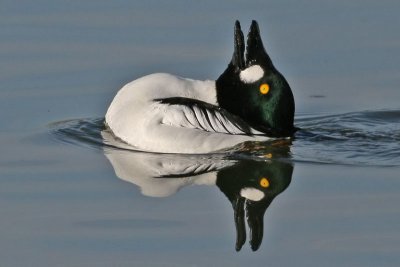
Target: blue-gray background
<point>62,205</point>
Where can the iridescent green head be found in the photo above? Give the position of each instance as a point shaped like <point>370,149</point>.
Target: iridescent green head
<point>253,89</point>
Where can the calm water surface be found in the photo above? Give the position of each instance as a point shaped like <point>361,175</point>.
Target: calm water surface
<point>71,195</point>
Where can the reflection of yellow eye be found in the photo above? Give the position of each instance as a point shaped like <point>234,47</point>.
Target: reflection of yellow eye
<point>268,156</point>
<point>264,88</point>
<point>264,182</point>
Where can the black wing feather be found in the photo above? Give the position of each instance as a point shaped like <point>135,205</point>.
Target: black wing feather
<point>205,114</point>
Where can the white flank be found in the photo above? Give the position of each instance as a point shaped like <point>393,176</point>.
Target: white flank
<point>251,74</point>
<point>252,193</point>
<point>147,125</point>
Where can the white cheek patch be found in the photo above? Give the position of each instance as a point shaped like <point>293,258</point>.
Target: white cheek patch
<point>251,74</point>
<point>252,193</point>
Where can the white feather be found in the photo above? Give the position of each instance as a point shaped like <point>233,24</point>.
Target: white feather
<point>251,74</point>
<point>252,193</point>
<point>135,118</point>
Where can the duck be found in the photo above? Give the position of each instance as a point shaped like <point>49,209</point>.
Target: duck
<point>250,101</point>
<point>250,185</point>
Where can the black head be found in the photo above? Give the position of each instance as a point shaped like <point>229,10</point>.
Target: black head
<point>253,89</point>
<point>251,186</point>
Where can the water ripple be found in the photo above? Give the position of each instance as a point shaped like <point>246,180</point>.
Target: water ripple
<point>369,138</point>
<point>359,138</point>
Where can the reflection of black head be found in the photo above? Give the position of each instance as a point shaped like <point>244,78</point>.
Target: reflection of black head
<point>253,184</point>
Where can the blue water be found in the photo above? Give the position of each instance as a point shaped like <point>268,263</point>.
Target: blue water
<point>368,138</point>
<point>70,196</point>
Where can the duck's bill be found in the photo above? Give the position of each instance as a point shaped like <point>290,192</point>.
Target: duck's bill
<point>255,51</point>
<point>238,52</point>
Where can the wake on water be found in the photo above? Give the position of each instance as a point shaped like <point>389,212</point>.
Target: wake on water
<point>368,138</point>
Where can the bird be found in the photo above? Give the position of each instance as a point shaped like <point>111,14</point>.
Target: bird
<point>250,185</point>
<point>250,101</point>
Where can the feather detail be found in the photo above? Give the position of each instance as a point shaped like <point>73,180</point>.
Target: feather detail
<point>192,113</point>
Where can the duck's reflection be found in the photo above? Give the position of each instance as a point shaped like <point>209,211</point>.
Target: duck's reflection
<point>249,185</point>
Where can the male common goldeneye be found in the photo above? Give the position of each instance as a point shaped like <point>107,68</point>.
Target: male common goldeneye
<point>250,101</point>
<point>250,185</point>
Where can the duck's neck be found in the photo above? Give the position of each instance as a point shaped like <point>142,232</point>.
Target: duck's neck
<point>203,90</point>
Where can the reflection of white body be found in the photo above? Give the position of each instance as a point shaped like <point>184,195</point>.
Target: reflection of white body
<point>154,173</point>
<point>147,169</point>
<point>162,175</point>
<point>142,169</point>
<point>148,125</point>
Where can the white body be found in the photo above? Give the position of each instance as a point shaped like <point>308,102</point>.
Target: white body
<point>148,125</point>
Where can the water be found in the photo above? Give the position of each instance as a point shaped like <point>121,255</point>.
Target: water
<point>73,196</point>
<point>369,138</point>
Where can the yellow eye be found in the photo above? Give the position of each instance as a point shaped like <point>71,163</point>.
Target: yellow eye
<point>264,88</point>
<point>264,182</point>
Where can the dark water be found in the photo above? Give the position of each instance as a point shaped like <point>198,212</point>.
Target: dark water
<point>70,195</point>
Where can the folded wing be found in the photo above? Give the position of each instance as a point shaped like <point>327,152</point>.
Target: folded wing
<point>196,114</point>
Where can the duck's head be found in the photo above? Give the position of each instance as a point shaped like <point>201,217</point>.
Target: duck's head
<point>251,186</point>
<point>253,89</point>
